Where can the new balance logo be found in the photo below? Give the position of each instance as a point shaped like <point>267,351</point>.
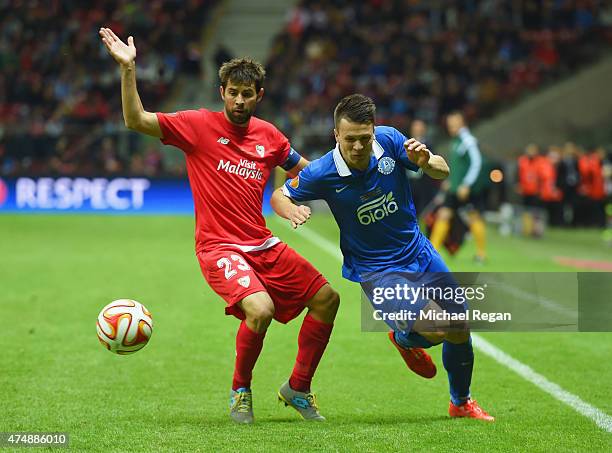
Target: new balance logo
<point>223,140</point>
<point>377,209</point>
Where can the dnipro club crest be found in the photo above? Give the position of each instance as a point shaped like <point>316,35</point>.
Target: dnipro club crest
<point>386,165</point>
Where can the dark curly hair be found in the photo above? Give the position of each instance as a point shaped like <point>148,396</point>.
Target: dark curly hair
<point>243,70</point>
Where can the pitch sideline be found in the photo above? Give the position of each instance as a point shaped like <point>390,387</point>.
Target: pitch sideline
<point>601,419</point>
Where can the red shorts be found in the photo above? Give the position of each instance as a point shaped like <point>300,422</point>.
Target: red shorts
<point>288,278</point>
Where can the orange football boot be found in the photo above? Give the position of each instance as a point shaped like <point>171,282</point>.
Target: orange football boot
<point>470,409</point>
<point>417,359</point>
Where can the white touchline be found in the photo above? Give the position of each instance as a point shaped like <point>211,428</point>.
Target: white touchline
<point>601,419</point>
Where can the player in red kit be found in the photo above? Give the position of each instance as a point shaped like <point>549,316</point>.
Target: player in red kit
<point>230,156</point>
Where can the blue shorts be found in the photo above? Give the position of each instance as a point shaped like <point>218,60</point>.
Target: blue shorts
<point>403,294</point>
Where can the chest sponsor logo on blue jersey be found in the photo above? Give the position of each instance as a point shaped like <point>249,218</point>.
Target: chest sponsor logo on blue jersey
<point>377,209</point>
<point>386,165</point>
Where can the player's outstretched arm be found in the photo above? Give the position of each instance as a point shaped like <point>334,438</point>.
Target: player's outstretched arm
<point>284,207</point>
<point>432,165</point>
<point>134,114</point>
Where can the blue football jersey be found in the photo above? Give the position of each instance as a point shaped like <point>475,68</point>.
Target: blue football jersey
<point>374,210</point>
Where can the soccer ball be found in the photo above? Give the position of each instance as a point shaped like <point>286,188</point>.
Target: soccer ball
<point>124,326</point>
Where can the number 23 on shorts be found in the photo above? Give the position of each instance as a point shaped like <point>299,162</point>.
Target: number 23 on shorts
<point>227,264</point>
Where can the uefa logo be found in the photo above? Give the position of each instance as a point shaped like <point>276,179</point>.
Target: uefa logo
<point>3,192</point>
<point>386,165</point>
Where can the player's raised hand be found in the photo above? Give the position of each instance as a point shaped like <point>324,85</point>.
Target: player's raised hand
<point>299,215</point>
<point>417,152</point>
<point>123,53</point>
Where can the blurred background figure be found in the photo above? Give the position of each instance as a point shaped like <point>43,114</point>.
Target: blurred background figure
<point>221,55</point>
<point>550,194</point>
<point>528,188</point>
<point>467,183</point>
<point>592,187</point>
<point>568,179</point>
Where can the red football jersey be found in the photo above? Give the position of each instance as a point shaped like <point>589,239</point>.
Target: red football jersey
<point>228,167</point>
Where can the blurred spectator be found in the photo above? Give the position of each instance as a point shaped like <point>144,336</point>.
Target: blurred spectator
<point>528,175</point>
<point>192,58</point>
<point>568,179</point>
<point>110,160</point>
<point>593,187</point>
<point>222,54</point>
<point>550,194</point>
<point>529,188</point>
<point>153,161</point>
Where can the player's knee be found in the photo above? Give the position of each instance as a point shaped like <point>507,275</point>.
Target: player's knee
<point>261,318</point>
<point>259,311</point>
<point>332,300</point>
<point>263,313</point>
<point>324,305</point>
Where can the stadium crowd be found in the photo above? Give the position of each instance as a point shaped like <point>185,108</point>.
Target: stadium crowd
<point>60,110</point>
<point>421,58</point>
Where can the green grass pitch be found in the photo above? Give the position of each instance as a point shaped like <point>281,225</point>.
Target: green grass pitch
<point>57,272</point>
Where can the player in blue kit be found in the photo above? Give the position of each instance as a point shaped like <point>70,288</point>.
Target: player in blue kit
<point>363,180</point>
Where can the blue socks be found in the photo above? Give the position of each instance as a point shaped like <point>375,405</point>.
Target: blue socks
<point>458,361</point>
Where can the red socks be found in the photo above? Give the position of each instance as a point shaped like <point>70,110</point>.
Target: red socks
<point>312,341</point>
<point>248,347</point>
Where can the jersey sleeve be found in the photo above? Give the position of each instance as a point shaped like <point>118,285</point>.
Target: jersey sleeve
<point>180,129</point>
<point>398,141</point>
<point>282,147</point>
<point>293,158</point>
<point>305,186</point>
